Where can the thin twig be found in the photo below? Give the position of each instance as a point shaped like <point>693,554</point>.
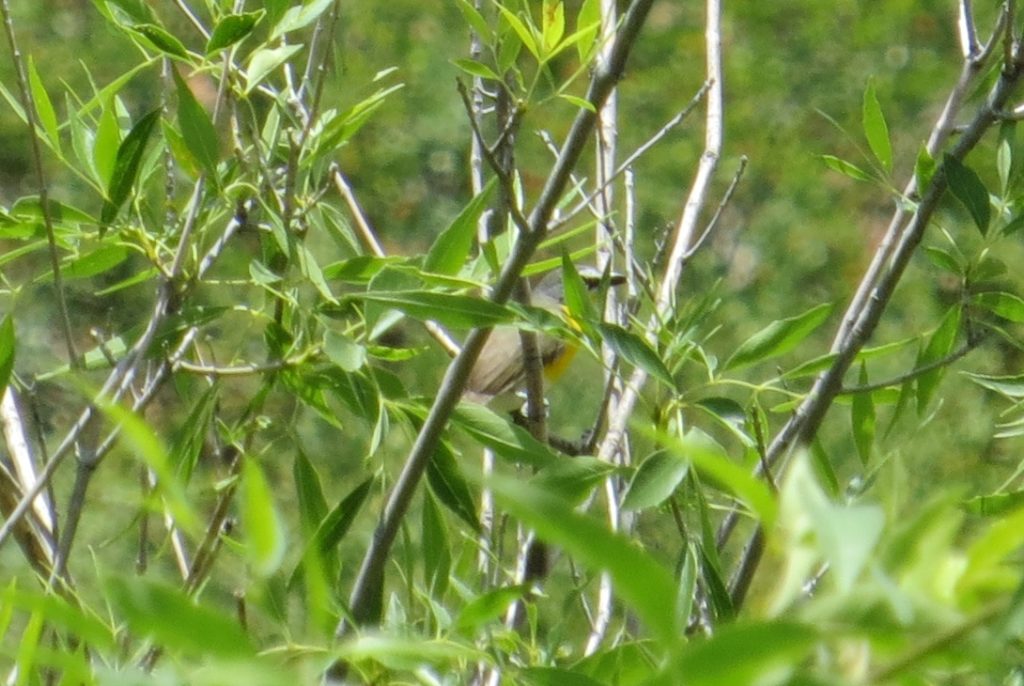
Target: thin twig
<point>723,203</point>
<point>31,118</point>
<point>913,373</point>
<point>686,228</point>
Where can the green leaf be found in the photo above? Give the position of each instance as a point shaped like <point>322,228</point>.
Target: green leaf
<point>939,346</point>
<point>7,345</point>
<point>1010,387</point>
<point>144,443</point>
<point>555,676</point>
<point>552,24</point>
<point>710,460</point>
<point>264,61</point>
<point>191,438</point>
<point>1004,162</point>
<point>507,440</point>
<point>924,169</point>
<point>126,166</point>
<point>300,16</point>
<point>476,21</point>
<point>655,481</point>
<point>743,653</point>
<point>437,554</point>
<point>450,250</point>
<point>174,621</point>
<point>1005,305</point>
<point>845,168</point>
<point>582,103</point>
<point>488,607</point>
<point>779,337</point>
<point>262,526</point>
<point>943,259</point>
<point>994,504</point>
<point>521,30</point>
<point>106,143</point>
<point>862,417</point>
<point>47,117</point>
<point>637,352</point>
<point>875,129</point>
<point>332,529</point>
<point>231,29</point>
<point>197,128</point>
<point>449,485</point>
<point>968,188</point>
<point>588,23</point>
<point>161,39</point>
<point>343,351</point>
<point>456,311</point>
<point>310,492</point>
<point>641,583</point>
<point>102,259</point>
<point>474,68</point>
<point>573,480</point>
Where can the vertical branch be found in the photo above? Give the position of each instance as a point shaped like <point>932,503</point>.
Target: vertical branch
<point>31,118</point>
<point>686,230</point>
<point>604,201</point>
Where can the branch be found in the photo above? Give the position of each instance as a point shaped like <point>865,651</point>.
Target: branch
<point>367,593</point>
<point>913,373</point>
<point>31,118</point>
<point>863,315</point>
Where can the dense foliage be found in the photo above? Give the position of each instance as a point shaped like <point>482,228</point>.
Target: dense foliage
<point>251,252</point>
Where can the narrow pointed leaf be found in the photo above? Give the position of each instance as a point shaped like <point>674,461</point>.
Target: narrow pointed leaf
<point>875,129</point>
<point>126,165</point>
<point>451,249</point>
<point>968,188</point>
<point>779,337</point>
<point>196,128</point>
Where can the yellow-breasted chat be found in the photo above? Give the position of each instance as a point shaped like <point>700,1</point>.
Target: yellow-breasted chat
<point>500,369</point>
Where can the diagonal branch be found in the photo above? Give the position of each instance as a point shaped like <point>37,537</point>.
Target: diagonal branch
<point>367,593</point>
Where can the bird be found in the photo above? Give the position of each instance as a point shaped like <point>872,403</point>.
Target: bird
<point>500,369</point>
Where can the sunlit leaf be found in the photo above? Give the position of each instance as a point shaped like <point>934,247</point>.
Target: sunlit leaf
<point>44,106</point>
<point>779,337</point>
<point>875,129</point>
<point>1005,305</point>
<point>451,249</point>
<point>264,61</point>
<point>655,480</point>
<point>845,168</point>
